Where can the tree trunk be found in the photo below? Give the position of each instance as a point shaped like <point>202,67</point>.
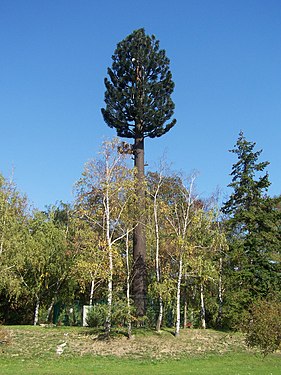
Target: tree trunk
<point>220,297</point>
<point>54,298</point>
<point>50,308</point>
<point>185,306</point>
<point>139,240</point>
<point>110,256</point>
<point>36,311</point>
<point>92,291</point>
<point>178,307</point>
<point>185,312</point>
<point>160,315</point>
<point>203,312</point>
<point>157,266</point>
<point>129,322</point>
<point>109,294</point>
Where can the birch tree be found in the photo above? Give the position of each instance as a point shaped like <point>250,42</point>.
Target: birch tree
<point>101,201</point>
<point>180,212</point>
<point>156,180</point>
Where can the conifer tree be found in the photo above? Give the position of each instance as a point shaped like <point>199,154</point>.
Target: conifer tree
<point>253,228</point>
<point>139,105</point>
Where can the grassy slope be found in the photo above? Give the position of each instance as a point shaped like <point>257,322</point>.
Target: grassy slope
<point>32,350</point>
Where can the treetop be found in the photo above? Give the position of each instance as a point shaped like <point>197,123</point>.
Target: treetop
<point>138,89</point>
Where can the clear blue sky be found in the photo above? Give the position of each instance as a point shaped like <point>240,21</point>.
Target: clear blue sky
<point>226,64</point>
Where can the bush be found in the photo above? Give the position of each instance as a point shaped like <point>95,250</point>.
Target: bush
<point>263,326</point>
<point>119,312</point>
<point>96,316</point>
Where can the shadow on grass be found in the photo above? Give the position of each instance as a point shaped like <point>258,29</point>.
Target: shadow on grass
<point>100,334</point>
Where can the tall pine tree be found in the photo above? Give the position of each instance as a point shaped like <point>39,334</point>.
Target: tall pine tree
<point>253,225</point>
<point>139,105</point>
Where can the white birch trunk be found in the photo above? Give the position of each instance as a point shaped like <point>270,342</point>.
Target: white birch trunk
<point>92,291</point>
<point>160,315</point>
<point>220,294</point>
<point>178,306</point>
<point>109,292</point>
<point>36,311</point>
<point>157,265</point>
<point>110,255</point>
<point>50,310</point>
<point>203,312</point>
<point>129,322</point>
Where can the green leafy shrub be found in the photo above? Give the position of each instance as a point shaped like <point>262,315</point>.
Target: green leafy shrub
<point>96,316</point>
<point>119,312</point>
<point>263,326</point>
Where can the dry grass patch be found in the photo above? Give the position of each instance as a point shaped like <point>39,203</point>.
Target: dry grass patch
<point>4,336</point>
<point>45,342</point>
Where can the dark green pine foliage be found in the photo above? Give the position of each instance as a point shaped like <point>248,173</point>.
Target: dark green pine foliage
<point>138,91</point>
<point>139,105</point>
<point>253,226</point>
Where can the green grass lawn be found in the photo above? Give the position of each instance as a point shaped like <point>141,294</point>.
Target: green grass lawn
<point>32,350</point>
<point>230,364</point>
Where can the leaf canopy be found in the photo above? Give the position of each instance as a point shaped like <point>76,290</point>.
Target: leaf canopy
<point>139,87</point>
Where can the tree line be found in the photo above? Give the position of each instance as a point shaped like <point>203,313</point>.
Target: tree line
<point>205,264</point>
